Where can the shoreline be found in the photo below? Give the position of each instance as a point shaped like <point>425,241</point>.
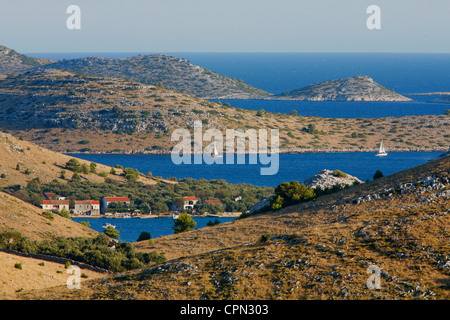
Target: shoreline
<point>281,151</point>
<point>220,215</point>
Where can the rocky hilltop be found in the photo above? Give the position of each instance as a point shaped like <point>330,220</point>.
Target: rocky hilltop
<point>174,73</point>
<point>357,88</point>
<point>329,178</point>
<point>12,62</point>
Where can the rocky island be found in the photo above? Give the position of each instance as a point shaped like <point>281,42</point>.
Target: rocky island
<point>357,88</point>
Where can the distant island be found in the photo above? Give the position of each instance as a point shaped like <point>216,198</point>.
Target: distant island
<point>357,88</point>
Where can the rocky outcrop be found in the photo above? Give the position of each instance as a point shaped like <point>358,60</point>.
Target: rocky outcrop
<point>357,88</point>
<point>436,183</point>
<point>328,178</point>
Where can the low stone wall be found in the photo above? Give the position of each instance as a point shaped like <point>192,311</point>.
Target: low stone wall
<point>55,259</point>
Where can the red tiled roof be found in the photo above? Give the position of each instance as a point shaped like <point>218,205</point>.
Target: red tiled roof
<point>213,202</point>
<point>117,199</point>
<point>87,202</point>
<point>50,195</point>
<point>66,202</point>
<point>190,199</point>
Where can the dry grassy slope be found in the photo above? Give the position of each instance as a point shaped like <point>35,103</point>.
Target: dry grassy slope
<point>316,251</point>
<point>43,163</point>
<point>17,215</point>
<point>35,274</point>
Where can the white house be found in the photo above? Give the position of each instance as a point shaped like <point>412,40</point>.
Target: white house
<point>55,205</point>
<point>87,207</point>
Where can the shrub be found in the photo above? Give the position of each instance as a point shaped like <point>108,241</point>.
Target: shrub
<point>260,113</point>
<point>144,236</point>
<point>64,213</point>
<point>73,165</point>
<point>184,223</point>
<point>339,173</point>
<point>265,237</point>
<point>85,223</point>
<point>18,266</point>
<point>294,192</point>
<point>112,232</point>
<point>378,174</point>
<point>48,215</point>
<point>278,203</point>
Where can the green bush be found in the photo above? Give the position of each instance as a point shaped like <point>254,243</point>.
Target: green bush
<point>184,223</point>
<point>339,173</point>
<point>73,165</point>
<point>378,174</point>
<point>94,251</point>
<point>265,237</point>
<point>112,232</point>
<point>144,236</point>
<point>48,215</point>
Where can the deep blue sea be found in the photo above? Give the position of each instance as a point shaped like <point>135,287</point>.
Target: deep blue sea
<point>280,72</point>
<point>295,166</point>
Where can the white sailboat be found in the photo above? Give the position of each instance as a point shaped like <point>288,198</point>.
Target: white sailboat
<point>216,154</point>
<point>382,152</point>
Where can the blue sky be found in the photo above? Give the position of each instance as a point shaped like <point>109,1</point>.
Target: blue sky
<point>225,26</point>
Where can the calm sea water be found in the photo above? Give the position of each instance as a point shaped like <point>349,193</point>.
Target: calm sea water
<point>130,229</point>
<point>337,109</point>
<point>298,166</point>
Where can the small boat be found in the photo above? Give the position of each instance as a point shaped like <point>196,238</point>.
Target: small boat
<point>216,154</point>
<point>106,225</point>
<point>175,215</point>
<point>382,151</point>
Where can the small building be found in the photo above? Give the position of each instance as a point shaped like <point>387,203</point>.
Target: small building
<point>87,207</point>
<point>53,196</point>
<point>189,202</point>
<point>237,198</point>
<point>107,201</point>
<point>55,205</point>
<point>217,202</point>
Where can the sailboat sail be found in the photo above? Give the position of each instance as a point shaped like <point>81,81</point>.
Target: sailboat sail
<point>382,151</point>
<point>216,154</point>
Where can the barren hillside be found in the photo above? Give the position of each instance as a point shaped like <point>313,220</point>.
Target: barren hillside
<point>318,250</point>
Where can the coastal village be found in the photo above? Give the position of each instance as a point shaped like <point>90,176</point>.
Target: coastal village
<point>121,206</point>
